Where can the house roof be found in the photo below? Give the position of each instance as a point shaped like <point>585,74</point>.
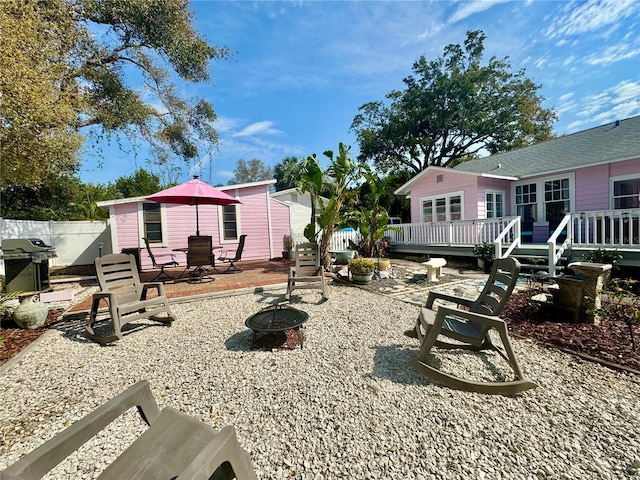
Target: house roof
<point>612,142</point>
<point>608,143</point>
<point>289,191</point>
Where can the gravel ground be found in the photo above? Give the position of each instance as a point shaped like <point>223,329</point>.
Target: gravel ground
<point>345,406</point>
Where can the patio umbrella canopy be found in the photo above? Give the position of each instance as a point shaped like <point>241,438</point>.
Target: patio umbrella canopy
<point>194,192</point>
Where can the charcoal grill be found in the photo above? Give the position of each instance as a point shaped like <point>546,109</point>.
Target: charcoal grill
<point>26,264</point>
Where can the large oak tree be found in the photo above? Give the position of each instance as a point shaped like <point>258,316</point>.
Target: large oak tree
<point>88,68</point>
<point>453,108</point>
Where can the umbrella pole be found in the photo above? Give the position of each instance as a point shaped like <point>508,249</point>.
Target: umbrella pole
<point>197,220</point>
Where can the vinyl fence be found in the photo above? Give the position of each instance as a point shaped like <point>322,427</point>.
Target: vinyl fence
<point>76,243</point>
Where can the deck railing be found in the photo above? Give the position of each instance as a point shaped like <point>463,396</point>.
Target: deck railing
<point>607,228</point>
<point>564,229</point>
<point>452,233</point>
<point>509,238</point>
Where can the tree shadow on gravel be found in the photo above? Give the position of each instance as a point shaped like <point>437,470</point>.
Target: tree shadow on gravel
<point>73,328</point>
<point>391,362</point>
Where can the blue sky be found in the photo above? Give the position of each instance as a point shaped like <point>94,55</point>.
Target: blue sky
<point>301,69</point>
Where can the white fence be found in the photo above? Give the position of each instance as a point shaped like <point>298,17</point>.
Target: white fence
<point>607,228</point>
<point>459,232</point>
<point>76,243</point>
<point>339,240</point>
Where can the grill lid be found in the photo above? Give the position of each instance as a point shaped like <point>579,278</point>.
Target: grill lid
<point>26,248</point>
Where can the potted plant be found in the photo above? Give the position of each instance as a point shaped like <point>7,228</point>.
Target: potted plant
<point>287,244</point>
<point>485,252</point>
<point>361,270</point>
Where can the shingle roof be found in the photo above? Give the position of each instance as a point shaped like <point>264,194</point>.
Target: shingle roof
<point>615,141</point>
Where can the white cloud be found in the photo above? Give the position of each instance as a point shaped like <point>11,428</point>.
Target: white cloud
<point>580,17</point>
<point>617,102</point>
<point>258,128</point>
<point>613,54</point>
<point>471,8</point>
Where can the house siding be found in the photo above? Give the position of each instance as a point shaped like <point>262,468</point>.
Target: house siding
<point>592,189</point>
<point>252,221</point>
<point>126,226</point>
<point>492,184</point>
<point>300,211</point>
<point>279,225</point>
<point>451,182</point>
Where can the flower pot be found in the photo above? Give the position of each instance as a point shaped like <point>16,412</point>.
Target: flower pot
<point>342,257</point>
<point>30,314</point>
<point>485,264</point>
<point>361,278</point>
<point>381,263</point>
<point>287,254</point>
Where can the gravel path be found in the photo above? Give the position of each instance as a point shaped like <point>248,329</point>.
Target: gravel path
<point>345,406</point>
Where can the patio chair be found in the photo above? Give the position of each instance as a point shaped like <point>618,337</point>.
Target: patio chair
<point>174,446</point>
<point>125,296</point>
<point>470,328</point>
<point>307,273</point>
<point>225,258</point>
<point>200,255</point>
<point>157,265</point>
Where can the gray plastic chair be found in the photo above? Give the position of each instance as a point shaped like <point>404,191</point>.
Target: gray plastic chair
<point>175,446</point>
<point>125,296</point>
<point>470,327</point>
<point>307,273</point>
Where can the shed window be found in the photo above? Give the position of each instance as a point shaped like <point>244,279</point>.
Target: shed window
<point>230,222</point>
<point>152,222</point>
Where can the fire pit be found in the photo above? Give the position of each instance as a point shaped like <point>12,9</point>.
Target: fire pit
<point>277,318</point>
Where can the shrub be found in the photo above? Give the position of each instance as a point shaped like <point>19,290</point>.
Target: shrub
<point>361,265</point>
<point>602,255</point>
<point>484,250</point>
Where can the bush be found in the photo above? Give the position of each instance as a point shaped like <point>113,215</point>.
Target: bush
<point>361,265</point>
<point>484,250</point>
<point>602,255</point>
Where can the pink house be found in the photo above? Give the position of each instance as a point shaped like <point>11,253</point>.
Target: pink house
<point>557,198</point>
<point>263,219</point>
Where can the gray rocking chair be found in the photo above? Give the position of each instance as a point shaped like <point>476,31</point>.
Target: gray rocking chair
<point>470,329</point>
<point>175,446</point>
<point>126,296</point>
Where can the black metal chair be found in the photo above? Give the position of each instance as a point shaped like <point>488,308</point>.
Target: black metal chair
<point>200,255</point>
<point>161,266</point>
<point>225,258</point>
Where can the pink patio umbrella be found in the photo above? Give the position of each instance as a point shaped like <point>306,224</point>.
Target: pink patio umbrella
<point>194,192</point>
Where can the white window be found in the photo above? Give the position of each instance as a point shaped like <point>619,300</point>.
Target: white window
<point>152,219</point>
<point>442,208</point>
<point>494,204</point>
<point>626,192</point>
<point>527,201</point>
<point>229,223</point>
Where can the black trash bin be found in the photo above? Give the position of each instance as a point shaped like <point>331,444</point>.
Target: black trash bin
<point>136,254</point>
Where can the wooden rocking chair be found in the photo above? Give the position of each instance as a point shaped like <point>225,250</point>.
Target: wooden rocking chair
<point>126,296</point>
<point>174,446</point>
<point>470,328</point>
